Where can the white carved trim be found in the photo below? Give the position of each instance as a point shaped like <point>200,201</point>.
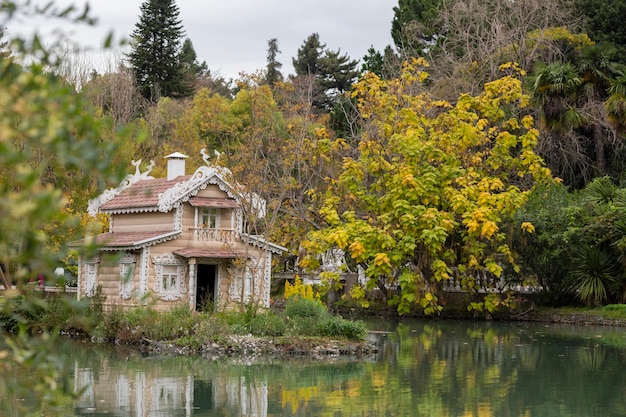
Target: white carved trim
<point>127,275</point>
<point>234,289</point>
<point>239,220</point>
<point>169,259</point>
<point>178,218</point>
<point>132,210</point>
<point>144,243</point>
<point>192,286</point>
<point>248,280</point>
<point>128,258</point>
<point>267,275</point>
<point>218,283</point>
<point>144,272</point>
<point>91,277</point>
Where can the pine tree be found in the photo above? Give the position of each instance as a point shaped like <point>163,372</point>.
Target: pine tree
<point>273,74</point>
<point>309,54</point>
<point>189,60</point>
<point>338,71</point>
<point>155,54</point>
<point>194,72</point>
<point>329,73</point>
<point>373,62</point>
<point>412,25</point>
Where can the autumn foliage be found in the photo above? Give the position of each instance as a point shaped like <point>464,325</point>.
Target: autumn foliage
<point>430,185</point>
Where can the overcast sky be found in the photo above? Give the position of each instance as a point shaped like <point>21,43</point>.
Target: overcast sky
<point>231,35</point>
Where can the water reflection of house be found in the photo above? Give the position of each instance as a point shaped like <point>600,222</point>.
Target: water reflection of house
<point>180,240</point>
<point>141,394</point>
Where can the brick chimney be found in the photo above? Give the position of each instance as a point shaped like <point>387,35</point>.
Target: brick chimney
<point>175,165</point>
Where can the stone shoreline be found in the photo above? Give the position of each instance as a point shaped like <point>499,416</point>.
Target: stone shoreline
<point>582,319</point>
<point>252,346</point>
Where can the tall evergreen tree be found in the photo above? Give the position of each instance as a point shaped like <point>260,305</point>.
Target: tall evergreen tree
<point>155,54</point>
<point>330,73</point>
<point>338,72</point>
<point>189,60</point>
<point>307,61</point>
<point>273,74</point>
<point>373,61</point>
<point>412,27</point>
<point>194,72</point>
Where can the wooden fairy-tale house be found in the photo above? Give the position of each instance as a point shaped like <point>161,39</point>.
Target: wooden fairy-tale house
<point>178,240</point>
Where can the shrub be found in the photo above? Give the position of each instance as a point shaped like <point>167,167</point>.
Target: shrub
<point>303,307</point>
<point>340,327</point>
<point>39,312</point>
<point>299,290</point>
<point>9,315</point>
<point>302,326</point>
<point>158,325</point>
<point>210,328</point>
<point>615,307</point>
<point>594,270</point>
<point>268,324</point>
<point>110,326</point>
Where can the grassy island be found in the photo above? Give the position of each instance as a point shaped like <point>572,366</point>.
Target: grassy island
<point>301,327</point>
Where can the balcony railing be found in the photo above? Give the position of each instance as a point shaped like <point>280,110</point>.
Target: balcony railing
<point>204,234</point>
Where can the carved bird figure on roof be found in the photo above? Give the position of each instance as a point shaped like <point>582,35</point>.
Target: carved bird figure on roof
<point>136,165</point>
<point>146,174</point>
<point>205,156</point>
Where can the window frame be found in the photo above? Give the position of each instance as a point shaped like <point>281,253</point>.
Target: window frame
<point>127,275</point>
<point>91,277</point>
<point>211,215</point>
<point>170,275</point>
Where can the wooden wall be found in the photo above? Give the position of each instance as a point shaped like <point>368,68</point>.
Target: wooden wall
<point>143,222</point>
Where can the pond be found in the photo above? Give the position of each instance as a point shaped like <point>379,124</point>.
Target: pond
<point>424,368</point>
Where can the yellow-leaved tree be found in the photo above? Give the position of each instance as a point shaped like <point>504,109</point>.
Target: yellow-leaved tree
<point>430,186</point>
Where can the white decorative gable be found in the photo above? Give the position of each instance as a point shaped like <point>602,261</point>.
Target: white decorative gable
<point>203,176</point>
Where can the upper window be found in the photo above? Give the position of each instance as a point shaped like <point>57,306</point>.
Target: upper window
<point>209,217</point>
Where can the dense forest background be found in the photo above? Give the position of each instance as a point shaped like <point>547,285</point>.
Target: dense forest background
<point>489,136</point>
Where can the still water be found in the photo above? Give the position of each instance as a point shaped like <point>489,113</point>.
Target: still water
<point>424,368</point>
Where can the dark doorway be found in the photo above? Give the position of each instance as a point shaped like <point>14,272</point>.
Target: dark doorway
<point>205,292</point>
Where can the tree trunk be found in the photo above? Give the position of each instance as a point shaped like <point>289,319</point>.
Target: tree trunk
<point>599,145</point>
<point>4,280</point>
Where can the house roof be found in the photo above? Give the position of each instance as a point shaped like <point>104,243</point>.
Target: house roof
<point>140,193</point>
<point>143,194</point>
<point>127,240</point>
<point>224,253</point>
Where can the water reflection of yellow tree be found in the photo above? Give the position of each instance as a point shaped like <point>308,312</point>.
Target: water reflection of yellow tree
<point>444,374</point>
